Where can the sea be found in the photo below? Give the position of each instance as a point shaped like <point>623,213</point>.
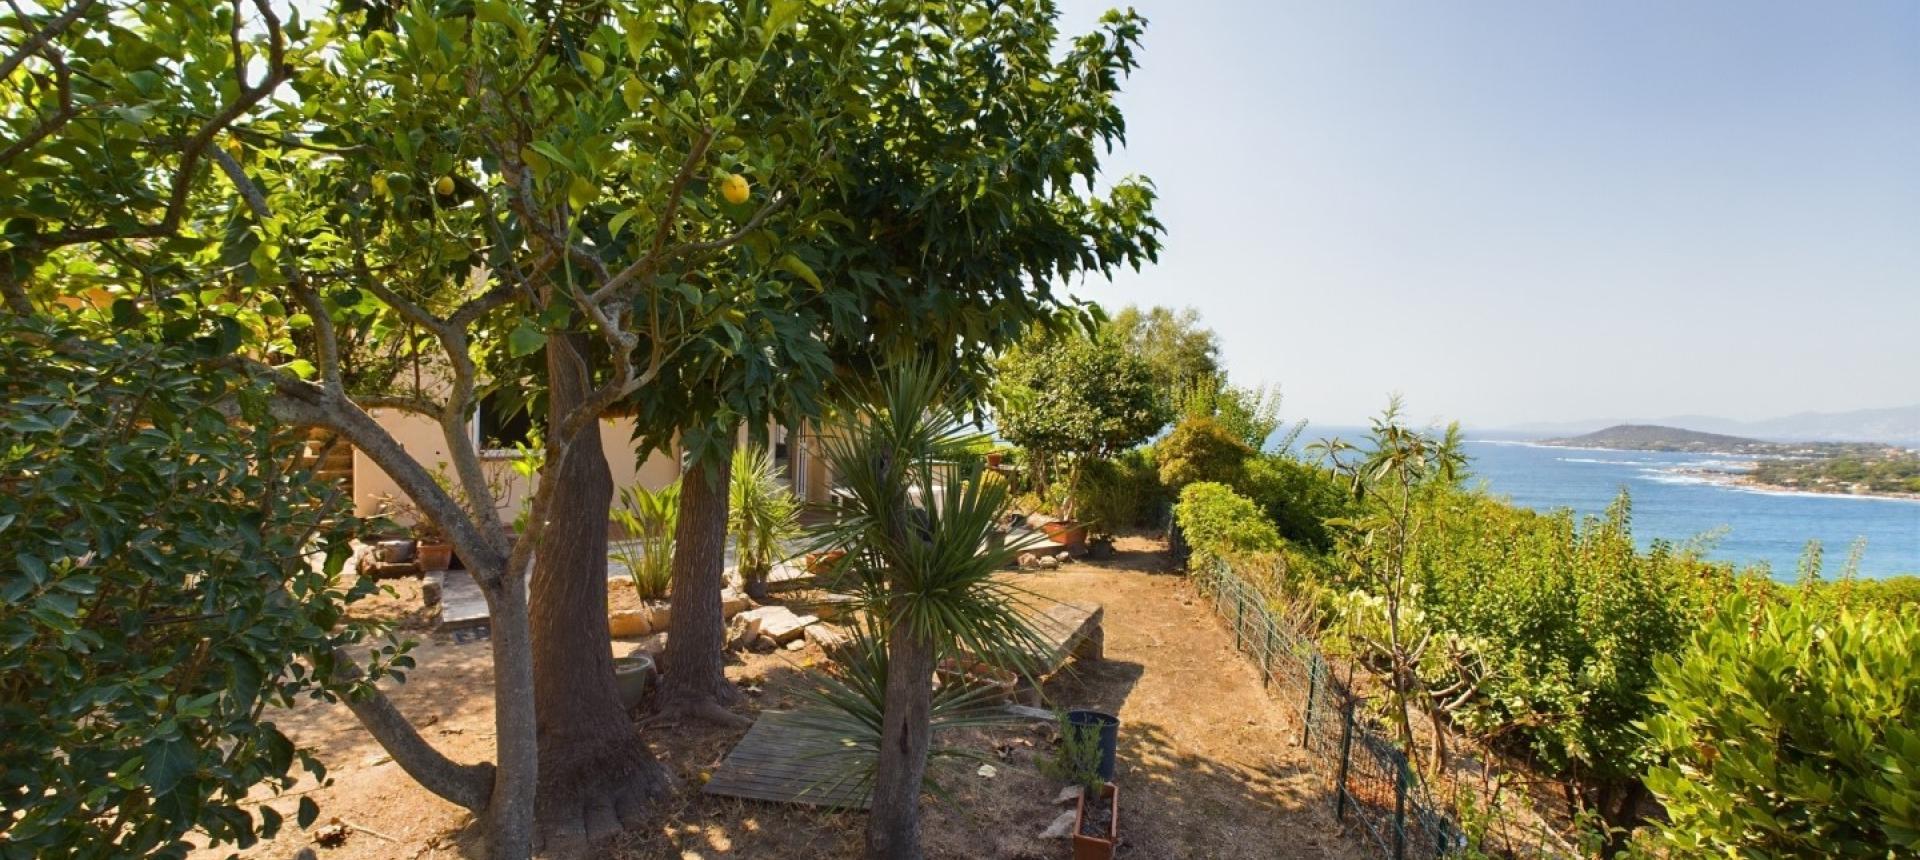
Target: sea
<point>1736,524</point>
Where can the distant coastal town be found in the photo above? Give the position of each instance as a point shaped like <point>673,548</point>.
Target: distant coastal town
<point>1839,468</point>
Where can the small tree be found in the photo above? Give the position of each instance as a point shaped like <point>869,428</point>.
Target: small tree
<point>1072,399</point>
<point>1399,464</point>
<point>917,516</point>
<point>1200,449</point>
<point>763,516</point>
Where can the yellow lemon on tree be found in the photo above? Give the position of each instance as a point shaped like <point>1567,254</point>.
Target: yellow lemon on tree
<point>735,188</point>
<point>443,186</point>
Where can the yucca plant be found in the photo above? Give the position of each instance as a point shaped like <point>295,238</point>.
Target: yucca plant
<point>648,517</point>
<point>917,564</point>
<point>762,514</point>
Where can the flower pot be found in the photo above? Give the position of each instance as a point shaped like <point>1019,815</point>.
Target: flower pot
<point>1099,845</point>
<point>824,562</point>
<point>434,556</point>
<point>631,675</point>
<point>1109,726</point>
<point>1069,533</point>
<point>993,459</point>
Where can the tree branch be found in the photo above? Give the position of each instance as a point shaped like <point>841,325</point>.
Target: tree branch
<point>469,785</point>
<point>46,34</point>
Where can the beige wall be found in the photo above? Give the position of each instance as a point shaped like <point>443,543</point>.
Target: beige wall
<point>421,437</point>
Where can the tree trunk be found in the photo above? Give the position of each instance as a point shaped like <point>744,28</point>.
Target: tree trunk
<point>595,775</point>
<point>511,809</point>
<point>694,680</point>
<point>893,827</point>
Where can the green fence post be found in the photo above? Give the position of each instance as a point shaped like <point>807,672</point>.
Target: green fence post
<point>1239,618</point>
<point>1306,718</point>
<point>1400,811</point>
<point>1266,658</point>
<point>1346,755</point>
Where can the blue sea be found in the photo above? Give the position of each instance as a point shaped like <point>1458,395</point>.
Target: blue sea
<point>1749,526</point>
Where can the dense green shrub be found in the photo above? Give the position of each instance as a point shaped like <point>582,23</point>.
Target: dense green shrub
<point>1071,400</point>
<point>167,573</point>
<point>1298,497</point>
<point>1560,623</point>
<point>1123,492</point>
<point>1219,523</point>
<point>1789,734</point>
<point>1201,449</point>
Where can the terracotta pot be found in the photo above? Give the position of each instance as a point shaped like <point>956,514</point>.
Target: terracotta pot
<point>434,556</point>
<point>823,562</point>
<point>1097,847</point>
<point>993,459</point>
<point>1067,532</point>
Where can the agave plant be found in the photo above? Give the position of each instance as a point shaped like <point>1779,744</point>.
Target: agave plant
<point>762,514</point>
<point>914,528</point>
<point>648,517</point>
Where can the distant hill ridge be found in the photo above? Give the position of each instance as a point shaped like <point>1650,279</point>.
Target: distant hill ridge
<point>1898,424</point>
<point>1655,437</point>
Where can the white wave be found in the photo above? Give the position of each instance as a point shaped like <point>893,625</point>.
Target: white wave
<point>1601,462</point>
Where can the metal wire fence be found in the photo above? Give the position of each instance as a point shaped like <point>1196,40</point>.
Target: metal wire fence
<point>1370,781</point>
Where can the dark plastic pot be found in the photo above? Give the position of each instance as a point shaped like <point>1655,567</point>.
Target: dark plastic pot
<point>1109,726</point>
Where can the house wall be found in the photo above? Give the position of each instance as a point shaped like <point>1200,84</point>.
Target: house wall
<point>421,438</point>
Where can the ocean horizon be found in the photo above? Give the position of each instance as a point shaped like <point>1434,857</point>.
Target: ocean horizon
<point>1737,524</point>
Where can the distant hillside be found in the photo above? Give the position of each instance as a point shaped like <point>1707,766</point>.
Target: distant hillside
<point>1653,437</point>
<point>1899,424</point>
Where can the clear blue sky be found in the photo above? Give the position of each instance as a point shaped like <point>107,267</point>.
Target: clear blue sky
<point>1523,211</point>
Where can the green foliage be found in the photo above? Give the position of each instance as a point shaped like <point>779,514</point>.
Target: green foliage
<point>1887,470</point>
<point>1557,624</point>
<point>916,516</point>
<point>1300,498</point>
<point>169,573</point>
<point>1123,491</point>
<point>1076,399</point>
<point>1787,734</point>
<point>1201,449</point>
<point>1251,415</point>
<point>1221,524</point>
<point>1076,760</point>
<point>762,513</point>
<point>648,518</point>
<point>1177,349</point>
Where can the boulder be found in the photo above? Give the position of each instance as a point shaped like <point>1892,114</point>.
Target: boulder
<point>779,622</point>
<point>731,603</point>
<point>1061,828</point>
<point>1029,560</point>
<point>765,645</point>
<point>430,586</point>
<point>1049,563</point>
<point>629,623</point>
<point>743,631</point>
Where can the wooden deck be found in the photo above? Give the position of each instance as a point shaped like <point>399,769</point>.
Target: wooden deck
<point>779,760</point>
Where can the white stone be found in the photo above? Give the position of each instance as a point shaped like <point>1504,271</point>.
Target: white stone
<point>629,623</point>
<point>1069,796</point>
<point>1061,828</point>
<point>796,644</point>
<point>827,636</point>
<point>780,623</point>
<point>743,631</point>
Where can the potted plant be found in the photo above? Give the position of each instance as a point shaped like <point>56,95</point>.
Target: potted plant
<point>431,551</point>
<point>763,515</point>
<point>1080,760</point>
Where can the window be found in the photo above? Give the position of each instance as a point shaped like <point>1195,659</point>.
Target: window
<point>501,423</point>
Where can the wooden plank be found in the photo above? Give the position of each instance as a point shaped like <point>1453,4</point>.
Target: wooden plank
<point>781,760</point>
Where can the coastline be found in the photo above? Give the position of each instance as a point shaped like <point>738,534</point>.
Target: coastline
<point>1734,480</point>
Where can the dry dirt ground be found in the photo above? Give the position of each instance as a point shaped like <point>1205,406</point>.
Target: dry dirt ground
<point>1207,766</point>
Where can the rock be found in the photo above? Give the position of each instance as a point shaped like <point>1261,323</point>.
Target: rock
<point>1029,560</point>
<point>796,644</point>
<point>658,614</point>
<point>765,645</point>
<point>1069,796</point>
<point>1061,828</point>
<point>629,623</point>
<point>744,630</point>
<point>779,622</point>
<point>394,551</point>
<point>1063,557</point>
<point>731,603</point>
<point>828,637</point>
<point>430,586</point>
<point>1049,563</point>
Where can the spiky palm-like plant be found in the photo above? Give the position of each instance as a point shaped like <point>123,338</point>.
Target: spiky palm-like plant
<point>914,528</point>
<point>762,514</point>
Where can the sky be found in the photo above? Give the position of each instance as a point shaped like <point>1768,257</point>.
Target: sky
<point>1516,212</point>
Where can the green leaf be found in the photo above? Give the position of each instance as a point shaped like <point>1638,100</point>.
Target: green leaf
<point>168,762</point>
<point>780,17</point>
<point>800,269</point>
<point>525,339</point>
